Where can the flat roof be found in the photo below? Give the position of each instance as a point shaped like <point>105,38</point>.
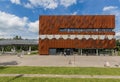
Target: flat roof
<point>19,42</point>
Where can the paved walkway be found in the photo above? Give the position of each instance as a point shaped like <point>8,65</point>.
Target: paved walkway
<point>78,61</point>
<point>59,76</point>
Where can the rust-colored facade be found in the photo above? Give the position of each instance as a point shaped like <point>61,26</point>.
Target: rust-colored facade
<point>81,31</point>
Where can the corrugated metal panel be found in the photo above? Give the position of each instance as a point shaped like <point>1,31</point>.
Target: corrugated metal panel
<point>51,25</point>
<point>83,44</point>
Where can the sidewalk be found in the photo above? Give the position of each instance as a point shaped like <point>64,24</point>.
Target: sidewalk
<point>60,76</point>
<point>58,61</point>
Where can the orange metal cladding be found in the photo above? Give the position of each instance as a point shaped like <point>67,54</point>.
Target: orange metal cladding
<point>50,25</point>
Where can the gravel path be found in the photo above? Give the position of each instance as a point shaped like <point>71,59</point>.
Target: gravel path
<point>59,76</point>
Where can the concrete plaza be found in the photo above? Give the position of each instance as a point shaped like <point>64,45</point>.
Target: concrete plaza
<point>77,61</point>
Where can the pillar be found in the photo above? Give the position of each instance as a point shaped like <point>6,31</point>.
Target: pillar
<point>81,51</point>
<point>29,48</point>
<point>2,49</point>
<point>14,50</point>
<point>97,52</point>
<point>29,51</point>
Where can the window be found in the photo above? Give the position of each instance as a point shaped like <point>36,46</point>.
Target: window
<point>85,30</point>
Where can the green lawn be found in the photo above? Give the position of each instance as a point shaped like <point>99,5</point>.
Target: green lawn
<point>59,70</point>
<point>36,79</point>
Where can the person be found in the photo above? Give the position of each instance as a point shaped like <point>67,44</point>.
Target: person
<point>64,53</point>
<point>87,53</point>
<point>71,53</point>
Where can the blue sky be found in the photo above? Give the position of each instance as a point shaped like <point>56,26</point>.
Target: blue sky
<point>20,17</point>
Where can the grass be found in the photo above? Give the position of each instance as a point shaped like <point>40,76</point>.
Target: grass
<point>59,70</point>
<point>36,79</point>
<point>34,53</point>
<point>118,53</point>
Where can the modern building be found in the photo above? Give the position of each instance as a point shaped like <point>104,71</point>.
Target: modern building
<point>81,34</point>
<point>9,45</point>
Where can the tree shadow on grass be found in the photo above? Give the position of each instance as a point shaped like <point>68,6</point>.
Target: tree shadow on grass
<point>3,67</point>
<point>18,76</point>
<point>9,63</point>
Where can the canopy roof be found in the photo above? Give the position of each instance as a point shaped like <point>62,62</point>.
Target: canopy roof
<point>19,42</point>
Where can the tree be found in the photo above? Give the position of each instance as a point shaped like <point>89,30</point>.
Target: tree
<point>17,38</point>
<point>117,45</point>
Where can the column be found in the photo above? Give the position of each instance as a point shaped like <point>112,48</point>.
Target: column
<point>29,51</point>
<point>97,52</point>
<point>81,51</point>
<point>113,52</point>
<point>14,50</point>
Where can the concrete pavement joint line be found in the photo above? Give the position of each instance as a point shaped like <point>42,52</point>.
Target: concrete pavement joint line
<point>59,76</point>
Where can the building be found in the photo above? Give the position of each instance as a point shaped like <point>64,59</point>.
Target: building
<point>10,45</point>
<point>83,34</point>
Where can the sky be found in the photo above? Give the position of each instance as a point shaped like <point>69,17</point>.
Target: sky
<point>20,17</point>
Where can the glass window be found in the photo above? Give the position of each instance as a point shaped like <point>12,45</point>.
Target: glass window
<point>85,30</point>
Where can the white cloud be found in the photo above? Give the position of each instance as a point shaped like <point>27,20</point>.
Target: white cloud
<point>113,10</point>
<point>11,21</point>
<point>118,34</point>
<point>67,3</point>
<point>33,26</point>
<point>15,1</point>
<point>107,8</point>
<point>52,6</point>
<point>74,13</point>
<point>28,5</point>
<point>46,4</point>
<point>11,25</point>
